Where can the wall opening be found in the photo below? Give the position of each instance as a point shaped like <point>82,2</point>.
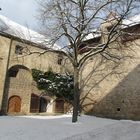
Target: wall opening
<point>34,103</point>
<point>118,109</point>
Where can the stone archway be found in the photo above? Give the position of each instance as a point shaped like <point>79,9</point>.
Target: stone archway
<point>14,104</point>
<point>18,82</point>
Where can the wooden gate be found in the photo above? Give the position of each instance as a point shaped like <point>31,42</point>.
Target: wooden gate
<point>14,104</point>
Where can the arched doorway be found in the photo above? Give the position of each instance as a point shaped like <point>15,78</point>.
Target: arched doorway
<point>18,79</point>
<point>14,104</point>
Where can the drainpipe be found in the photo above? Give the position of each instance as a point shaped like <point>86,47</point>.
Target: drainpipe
<point>5,91</point>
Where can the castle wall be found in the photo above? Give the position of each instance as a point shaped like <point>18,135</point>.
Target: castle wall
<point>113,92</point>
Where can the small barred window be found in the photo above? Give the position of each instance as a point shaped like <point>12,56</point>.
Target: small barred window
<point>59,61</point>
<point>18,50</point>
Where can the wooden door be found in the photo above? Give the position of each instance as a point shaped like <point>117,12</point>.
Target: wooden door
<point>14,104</point>
<point>34,103</point>
<point>59,106</point>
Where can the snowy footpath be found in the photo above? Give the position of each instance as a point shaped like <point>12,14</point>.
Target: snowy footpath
<point>61,128</point>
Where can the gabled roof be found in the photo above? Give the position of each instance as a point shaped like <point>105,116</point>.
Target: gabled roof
<point>12,28</point>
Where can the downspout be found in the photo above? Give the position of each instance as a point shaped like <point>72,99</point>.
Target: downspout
<point>5,91</point>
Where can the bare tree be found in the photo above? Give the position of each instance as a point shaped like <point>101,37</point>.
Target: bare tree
<point>71,22</point>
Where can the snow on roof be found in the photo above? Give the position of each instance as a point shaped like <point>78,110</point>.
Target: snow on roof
<point>93,34</point>
<point>12,28</point>
<point>125,24</point>
<point>132,21</point>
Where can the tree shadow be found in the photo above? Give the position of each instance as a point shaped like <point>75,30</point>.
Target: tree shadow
<point>121,102</point>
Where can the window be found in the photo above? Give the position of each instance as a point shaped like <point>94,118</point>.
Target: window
<point>59,61</point>
<point>18,50</point>
<point>118,109</point>
<point>110,28</point>
<point>13,72</point>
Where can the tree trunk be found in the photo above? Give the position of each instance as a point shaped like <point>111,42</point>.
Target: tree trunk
<point>76,95</point>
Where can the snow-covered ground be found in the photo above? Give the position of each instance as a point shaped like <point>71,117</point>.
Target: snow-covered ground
<point>61,128</point>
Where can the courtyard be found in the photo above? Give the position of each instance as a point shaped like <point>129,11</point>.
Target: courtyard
<point>60,128</point>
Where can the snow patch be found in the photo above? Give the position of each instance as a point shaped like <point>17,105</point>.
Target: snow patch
<point>61,128</point>
<point>131,21</point>
<point>46,117</point>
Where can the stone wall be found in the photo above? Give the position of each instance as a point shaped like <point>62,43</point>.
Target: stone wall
<point>108,89</point>
<point>22,84</point>
<point>4,55</point>
<point>110,92</point>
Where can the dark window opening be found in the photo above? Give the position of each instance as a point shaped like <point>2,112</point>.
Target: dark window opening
<point>110,28</point>
<point>118,109</point>
<point>59,61</point>
<point>13,73</point>
<point>18,49</point>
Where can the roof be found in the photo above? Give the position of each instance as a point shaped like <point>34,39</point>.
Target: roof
<point>132,21</point>
<point>135,20</point>
<point>12,28</point>
<point>92,34</point>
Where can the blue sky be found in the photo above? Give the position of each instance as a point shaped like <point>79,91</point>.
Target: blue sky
<point>21,11</point>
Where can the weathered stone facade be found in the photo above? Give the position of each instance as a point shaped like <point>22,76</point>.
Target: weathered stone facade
<point>106,92</point>
<point>15,74</point>
<point>111,91</point>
